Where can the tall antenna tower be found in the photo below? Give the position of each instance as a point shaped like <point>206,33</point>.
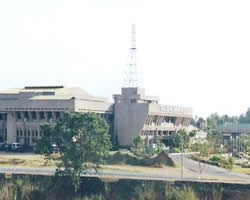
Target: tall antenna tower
<point>131,79</point>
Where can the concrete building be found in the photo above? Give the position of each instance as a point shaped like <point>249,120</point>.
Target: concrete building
<point>23,110</point>
<point>136,114</point>
<point>133,114</point>
<point>232,131</point>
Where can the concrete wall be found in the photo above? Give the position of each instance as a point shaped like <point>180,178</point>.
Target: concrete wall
<point>93,106</point>
<point>129,119</point>
<point>15,105</point>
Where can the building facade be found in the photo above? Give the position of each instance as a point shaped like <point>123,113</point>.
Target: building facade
<point>136,114</point>
<point>233,131</point>
<point>22,111</point>
<point>132,114</point>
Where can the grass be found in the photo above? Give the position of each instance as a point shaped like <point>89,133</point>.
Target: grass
<point>24,160</point>
<point>241,170</point>
<point>124,161</point>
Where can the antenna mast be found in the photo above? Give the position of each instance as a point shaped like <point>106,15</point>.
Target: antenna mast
<point>132,76</point>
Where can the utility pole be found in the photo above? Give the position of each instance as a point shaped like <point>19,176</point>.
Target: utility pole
<point>236,136</point>
<point>181,159</point>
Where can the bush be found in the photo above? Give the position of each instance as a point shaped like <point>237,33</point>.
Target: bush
<point>186,193</point>
<point>130,159</point>
<point>245,165</point>
<point>216,159</point>
<point>176,150</point>
<point>222,162</point>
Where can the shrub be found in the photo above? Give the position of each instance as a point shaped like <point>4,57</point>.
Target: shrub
<point>245,165</point>
<point>176,150</point>
<point>130,159</point>
<point>216,159</point>
<point>186,193</point>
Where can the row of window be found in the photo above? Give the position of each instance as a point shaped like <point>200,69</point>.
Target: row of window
<point>37,115</point>
<point>26,140</point>
<point>27,133</point>
<point>11,109</point>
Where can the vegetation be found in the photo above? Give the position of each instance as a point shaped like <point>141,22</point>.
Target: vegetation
<point>217,161</point>
<point>80,139</point>
<point>58,188</point>
<point>204,152</point>
<point>222,162</point>
<point>181,140</point>
<point>159,160</point>
<point>144,150</point>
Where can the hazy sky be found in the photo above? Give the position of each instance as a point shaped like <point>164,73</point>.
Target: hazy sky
<point>190,52</point>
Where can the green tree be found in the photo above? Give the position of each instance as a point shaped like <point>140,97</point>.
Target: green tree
<point>137,145</point>
<point>193,133</point>
<point>179,140</point>
<point>245,118</point>
<point>204,152</point>
<point>80,139</point>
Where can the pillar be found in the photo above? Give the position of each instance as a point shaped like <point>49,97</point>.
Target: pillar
<point>11,128</point>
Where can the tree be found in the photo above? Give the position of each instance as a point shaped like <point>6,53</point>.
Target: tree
<point>204,152</point>
<point>245,118</point>
<point>80,139</point>
<point>137,145</point>
<point>193,133</point>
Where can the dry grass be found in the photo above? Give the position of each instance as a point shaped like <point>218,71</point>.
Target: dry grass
<point>36,160</point>
<point>24,160</point>
<point>241,170</point>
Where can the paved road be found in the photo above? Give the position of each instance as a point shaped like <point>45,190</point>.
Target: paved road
<point>191,172</point>
<point>106,173</point>
<point>192,169</point>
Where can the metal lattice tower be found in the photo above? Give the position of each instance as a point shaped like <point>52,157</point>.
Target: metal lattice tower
<point>131,79</point>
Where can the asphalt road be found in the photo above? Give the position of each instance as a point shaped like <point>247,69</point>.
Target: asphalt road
<point>106,173</point>
<point>204,171</point>
<point>191,172</point>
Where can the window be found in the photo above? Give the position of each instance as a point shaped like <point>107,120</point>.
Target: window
<point>34,116</point>
<point>26,115</point>
<point>42,116</point>
<point>19,115</point>
<point>49,115</point>
<point>57,115</point>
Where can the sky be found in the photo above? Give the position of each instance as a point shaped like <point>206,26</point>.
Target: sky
<point>191,53</point>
